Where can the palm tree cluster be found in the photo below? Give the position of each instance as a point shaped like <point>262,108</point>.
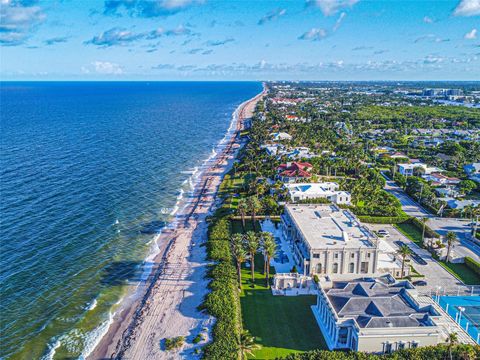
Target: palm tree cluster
<point>246,246</point>
<point>252,205</point>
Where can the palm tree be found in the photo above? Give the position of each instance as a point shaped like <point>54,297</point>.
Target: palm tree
<point>451,340</point>
<point>247,344</point>
<point>265,236</point>
<point>239,254</point>
<point>252,247</point>
<point>404,252</point>
<point>424,222</point>
<point>269,248</point>
<point>451,239</point>
<point>242,209</point>
<point>255,206</point>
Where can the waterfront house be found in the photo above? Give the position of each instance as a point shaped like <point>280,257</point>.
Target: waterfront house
<point>374,316</point>
<point>325,190</point>
<point>280,136</point>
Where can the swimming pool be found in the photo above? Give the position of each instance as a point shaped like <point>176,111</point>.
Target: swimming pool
<point>469,317</point>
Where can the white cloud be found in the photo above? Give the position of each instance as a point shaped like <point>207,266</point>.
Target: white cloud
<point>105,67</point>
<point>18,21</point>
<point>313,34</point>
<point>471,35</point>
<point>427,20</point>
<point>331,7</point>
<point>467,8</point>
<point>339,21</point>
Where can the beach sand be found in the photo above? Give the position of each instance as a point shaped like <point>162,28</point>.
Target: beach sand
<point>166,304</point>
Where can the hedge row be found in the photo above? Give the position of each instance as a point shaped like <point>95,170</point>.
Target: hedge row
<point>440,352</point>
<point>472,265</point>
<point>382,219</point>
<point>223,301</point>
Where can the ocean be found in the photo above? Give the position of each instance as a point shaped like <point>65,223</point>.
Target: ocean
<point>90,173</point>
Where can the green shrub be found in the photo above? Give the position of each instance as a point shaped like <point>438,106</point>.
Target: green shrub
<point>197,339</point>
<point>429,352</point>
<point>472,265</point>
<point>316,279</point>
<point>383,219</point>
<point>174,343</point>
<point>223,301</point>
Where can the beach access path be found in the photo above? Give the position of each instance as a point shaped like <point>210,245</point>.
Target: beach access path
<point>177,284</point>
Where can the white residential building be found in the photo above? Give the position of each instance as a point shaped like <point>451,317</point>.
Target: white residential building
<point>332,243</point>
<point>279,136</point>
<point>375,317</point>
<point>408,169</point>
<point>325,190</point>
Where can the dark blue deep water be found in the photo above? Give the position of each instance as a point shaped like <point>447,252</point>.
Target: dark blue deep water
<point>89,173</point>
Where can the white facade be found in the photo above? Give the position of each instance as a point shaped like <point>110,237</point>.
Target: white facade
<point>374,317</point>
<point>327,241</point>
<point>325,190</point>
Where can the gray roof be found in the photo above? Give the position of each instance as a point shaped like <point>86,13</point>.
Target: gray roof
<point>376,305</point>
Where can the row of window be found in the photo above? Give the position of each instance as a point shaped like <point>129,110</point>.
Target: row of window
<point>352,255</point>
<point>351,268</point>
<point>388,347</point>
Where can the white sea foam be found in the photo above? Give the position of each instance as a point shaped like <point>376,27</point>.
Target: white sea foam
<point>52,348</point>
<point>93,338</point>
<point>92,305</point>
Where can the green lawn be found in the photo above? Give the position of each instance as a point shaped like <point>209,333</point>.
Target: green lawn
<point>281,324</point>
<point>410,231</point>
<point>463,272</point>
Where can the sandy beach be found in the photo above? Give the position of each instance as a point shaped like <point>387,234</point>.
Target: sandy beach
<point>166,304</point>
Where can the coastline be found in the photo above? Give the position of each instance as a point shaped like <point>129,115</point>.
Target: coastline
<point>165,305</point>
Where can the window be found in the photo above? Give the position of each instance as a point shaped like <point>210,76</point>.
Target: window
<point>369,254</point>
<point>352,256</point>
<point>387,348</point>
<point>401,345</point>
<point>414,345</point>
<point>351,267</point>
<point>336,256</point>
<point>319,268</point>
<point>335,268</point>
<point>316,256</point>
<point>364,267</point>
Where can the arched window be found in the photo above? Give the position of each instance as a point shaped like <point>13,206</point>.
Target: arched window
<point>335,268</point>
<point>319,268</point>
<point>351,267</point>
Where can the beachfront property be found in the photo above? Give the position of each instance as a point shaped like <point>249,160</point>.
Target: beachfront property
<point>294,171</point>
<point>325,190</point>
<point>374,316</point>
<point>438,179</point>
<point>473,171</point>
<point>332,243</point>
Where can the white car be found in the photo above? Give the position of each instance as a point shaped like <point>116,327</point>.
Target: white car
<point>383,232</point>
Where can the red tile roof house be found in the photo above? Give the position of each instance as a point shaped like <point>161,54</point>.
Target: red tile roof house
<point>293,171</point>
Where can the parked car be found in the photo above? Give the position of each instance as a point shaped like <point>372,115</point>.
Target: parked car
<point>383,232</point>
<point>420,283</point>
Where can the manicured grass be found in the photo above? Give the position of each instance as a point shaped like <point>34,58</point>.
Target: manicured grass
<point>237,225</point>
<point>410,231</point>
<point>281,324</point>
<point>462,271</point>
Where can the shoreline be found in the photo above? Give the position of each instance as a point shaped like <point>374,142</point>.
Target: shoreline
<point>165,304</point>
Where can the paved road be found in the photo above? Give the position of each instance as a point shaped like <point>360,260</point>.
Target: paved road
<point>464,247</point>
<point>435,275</point>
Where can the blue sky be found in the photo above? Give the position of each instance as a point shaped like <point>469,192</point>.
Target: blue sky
<point>240,40</point>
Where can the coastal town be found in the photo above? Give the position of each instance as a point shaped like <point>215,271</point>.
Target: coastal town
<point>349,221</point>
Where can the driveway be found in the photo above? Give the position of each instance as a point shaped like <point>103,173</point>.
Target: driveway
<point>435,275</point>
<point>463,248</point>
